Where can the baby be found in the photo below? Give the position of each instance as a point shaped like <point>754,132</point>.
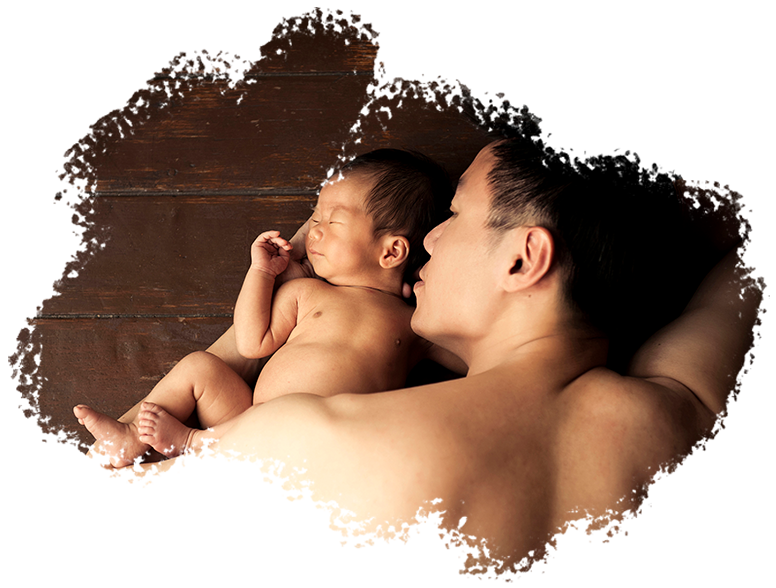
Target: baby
<point>347,332</point>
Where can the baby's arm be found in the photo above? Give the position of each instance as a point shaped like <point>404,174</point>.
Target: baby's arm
<point>259,328</point>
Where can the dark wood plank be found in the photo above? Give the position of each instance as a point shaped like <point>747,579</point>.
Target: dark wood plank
<point>109,364</point>
<point>35,553</point>
<point>252,135</point>
<point>173,255</point>
<point>233,41</point>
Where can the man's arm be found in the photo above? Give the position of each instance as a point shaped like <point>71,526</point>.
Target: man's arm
<point>704,349</point>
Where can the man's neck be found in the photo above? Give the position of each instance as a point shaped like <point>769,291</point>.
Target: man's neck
<point>558,351</point>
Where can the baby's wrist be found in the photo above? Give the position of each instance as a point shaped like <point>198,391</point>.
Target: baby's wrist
<point>262,272</point>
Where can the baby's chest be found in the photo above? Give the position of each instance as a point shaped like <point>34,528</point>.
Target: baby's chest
<point>373,326</point>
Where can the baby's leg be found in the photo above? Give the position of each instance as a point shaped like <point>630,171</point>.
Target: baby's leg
<point>200,381</point>
<point>171,437</point>
<point>119,441</point>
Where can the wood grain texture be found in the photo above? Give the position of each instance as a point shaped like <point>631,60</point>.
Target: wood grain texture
<point>253,136</point>
<point>235,41</point>
<point>35,553</point>
<point>260,136</point>
<point>174,255</point>
<point>109,364</point>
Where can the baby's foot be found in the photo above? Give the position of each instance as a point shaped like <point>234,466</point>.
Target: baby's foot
<point>119,441</point>
<point>162,431</point>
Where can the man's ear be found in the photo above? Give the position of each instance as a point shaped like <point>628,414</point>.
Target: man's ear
<point>394,252</point>
<point>530,254</point>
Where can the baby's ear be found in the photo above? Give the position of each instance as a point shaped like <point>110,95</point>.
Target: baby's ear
<point>394,252</point>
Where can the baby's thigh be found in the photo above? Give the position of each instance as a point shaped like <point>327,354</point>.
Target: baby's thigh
<point>220,392</point>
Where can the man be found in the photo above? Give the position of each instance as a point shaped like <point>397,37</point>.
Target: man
<point>540,431</point>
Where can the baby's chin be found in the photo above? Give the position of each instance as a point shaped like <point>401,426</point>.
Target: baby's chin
<point>323,274</point>
<point>316,266</point>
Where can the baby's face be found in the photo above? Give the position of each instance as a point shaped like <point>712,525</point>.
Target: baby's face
<point>340,242</point>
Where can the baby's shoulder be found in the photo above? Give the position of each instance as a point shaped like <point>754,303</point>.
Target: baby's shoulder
<point>301,291</point>
<point>303,285</point>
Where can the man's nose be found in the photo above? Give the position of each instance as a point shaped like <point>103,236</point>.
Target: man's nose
<point>433,235</point>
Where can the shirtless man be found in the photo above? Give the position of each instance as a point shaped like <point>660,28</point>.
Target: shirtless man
<point>539,430</point>
<point>349,333</point>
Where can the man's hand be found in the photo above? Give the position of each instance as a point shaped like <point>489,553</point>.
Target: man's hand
<point>270,253</point>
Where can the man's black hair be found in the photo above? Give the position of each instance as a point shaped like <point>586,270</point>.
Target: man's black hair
<point>410,196</point>
<point>617,229</point>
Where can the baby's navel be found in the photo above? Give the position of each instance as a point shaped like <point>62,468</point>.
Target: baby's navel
<point>317,314</point>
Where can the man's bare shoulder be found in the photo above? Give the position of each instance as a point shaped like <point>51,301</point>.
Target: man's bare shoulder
<point>639,410</point>
<point>361,451</point>
<point>617,431</point>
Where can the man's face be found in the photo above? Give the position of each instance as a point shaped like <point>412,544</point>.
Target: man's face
<point>458,282</point>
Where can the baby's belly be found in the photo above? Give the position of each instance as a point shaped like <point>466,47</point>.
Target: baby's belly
<point>326,370</point>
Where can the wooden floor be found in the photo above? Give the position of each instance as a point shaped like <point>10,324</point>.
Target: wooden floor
<point>148,147</point>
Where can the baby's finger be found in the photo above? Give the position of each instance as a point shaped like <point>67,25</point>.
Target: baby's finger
<point>267,235</point>
<point>280,243</point>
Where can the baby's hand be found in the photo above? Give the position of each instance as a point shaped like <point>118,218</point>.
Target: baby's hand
<point>270,253</point>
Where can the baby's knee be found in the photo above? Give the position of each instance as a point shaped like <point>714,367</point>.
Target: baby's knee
<point>201,362</point>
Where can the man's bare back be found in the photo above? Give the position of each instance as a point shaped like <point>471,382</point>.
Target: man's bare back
<point>349,339</point>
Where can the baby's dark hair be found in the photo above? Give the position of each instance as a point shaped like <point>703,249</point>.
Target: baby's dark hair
<point>410,196</point>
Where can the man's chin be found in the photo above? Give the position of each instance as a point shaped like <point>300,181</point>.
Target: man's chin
<point>416,324</point>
